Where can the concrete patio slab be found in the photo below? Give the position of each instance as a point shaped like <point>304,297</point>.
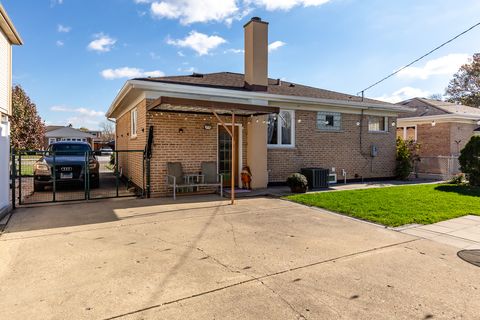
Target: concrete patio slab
<point>200,258</point>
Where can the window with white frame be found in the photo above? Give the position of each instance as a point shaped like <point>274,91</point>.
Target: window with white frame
<point>133,123</point>
<point>52,140</point>
<point>407,133</point>
<point>377,124</point>
<point>281,129</point>
<point>329,121</point>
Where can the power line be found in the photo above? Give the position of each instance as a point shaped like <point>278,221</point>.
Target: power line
<point>418,59</point>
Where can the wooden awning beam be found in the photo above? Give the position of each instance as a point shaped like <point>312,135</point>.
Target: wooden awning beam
<point>214,105</point>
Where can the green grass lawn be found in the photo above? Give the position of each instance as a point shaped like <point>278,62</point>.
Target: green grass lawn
<point>397,206</point>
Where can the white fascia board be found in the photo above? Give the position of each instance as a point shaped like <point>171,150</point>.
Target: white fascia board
<point>127,86</point>
<point>247,97</point>
<point>169,87</point>
<point>457,118</point>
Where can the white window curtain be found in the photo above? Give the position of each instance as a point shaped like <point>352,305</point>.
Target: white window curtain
<point>281,129</point>
<point>377,124</point>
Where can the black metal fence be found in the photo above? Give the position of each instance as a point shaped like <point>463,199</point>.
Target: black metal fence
<point>45,176</point>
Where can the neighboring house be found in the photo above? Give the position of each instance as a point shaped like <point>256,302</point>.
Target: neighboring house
<point>441,129</point>
<point>8,37</point>
<point>60,133</point>
<point>281,126</point>
<point>97,139</point>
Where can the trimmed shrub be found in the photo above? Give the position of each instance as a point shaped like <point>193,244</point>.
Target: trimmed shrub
<point>406,156</point>
<point>297,182</point>
<point>470,161</point>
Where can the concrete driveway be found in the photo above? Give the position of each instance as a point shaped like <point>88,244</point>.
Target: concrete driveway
<point>260,259</point>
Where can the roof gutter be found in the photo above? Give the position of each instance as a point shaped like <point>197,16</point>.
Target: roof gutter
<point>442,118</point>
<point>8,28</point>
<point>226,93</point>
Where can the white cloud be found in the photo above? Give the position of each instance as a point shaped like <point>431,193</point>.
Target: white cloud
<point>181,54</point>
<point>102,43</point>
<point>80,111</point>
<point>187,70</point>
<point>285,5</point>
<point>404,94</point>
<point>199,42</point>
<point>275,45</point>
<point>63,29</point>
<point>59,43</point>
<point>128,72</point>
<point>55,2</point>
<point>234,51</point>
<point>191,11</point>
<point>446,65</point>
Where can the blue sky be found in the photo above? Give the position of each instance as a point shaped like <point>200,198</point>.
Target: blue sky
<point>77,54</point>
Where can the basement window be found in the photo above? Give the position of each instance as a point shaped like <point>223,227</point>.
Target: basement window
<point>281,129</point>
<point>377,124</point>
<point>329,121</point>
<point>133,122</point>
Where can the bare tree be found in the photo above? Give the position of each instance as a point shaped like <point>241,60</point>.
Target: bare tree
<point>108,131</point>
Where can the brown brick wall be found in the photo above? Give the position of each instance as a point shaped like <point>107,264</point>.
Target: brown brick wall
<point>460,134</point>
<point>131,163</point>
<point>433,140</point>
<point>315,148</point>
<point>195,145</point>
<point>191,147</point>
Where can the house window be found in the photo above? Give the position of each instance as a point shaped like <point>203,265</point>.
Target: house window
<point>133,117</point>
<point>52,140</point>
<point>407,133</point>
<point>377,124</point>
<point>329,121</point>
<point>281,129</point>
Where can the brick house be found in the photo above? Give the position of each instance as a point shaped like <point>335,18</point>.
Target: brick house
<point>441,129</point>
<point>281,126</point>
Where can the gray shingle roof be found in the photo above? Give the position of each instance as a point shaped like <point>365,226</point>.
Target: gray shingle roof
<point>235,81</point>
<point>430,107</point>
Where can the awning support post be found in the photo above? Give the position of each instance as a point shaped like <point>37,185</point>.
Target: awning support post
<point>232,179</point>
<point>232,135</point>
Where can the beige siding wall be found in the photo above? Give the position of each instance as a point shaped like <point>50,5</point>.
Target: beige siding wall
<point>5,74</point>
<point>315,148</point>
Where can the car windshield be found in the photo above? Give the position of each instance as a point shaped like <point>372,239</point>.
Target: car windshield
<point>70,149</point>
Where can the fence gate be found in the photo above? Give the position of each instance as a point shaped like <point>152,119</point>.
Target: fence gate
<point>39,176</point>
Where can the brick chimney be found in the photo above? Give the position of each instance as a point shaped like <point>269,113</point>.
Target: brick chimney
<point>256,54</point>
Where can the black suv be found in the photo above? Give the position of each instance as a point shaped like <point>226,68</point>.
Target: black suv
<point>69,159</point>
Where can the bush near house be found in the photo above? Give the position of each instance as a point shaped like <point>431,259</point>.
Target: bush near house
<point>297,182</point>
<point>407,154</point>
<point>470,161</point>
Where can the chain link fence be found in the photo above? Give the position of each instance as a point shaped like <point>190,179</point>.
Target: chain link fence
<point>439,167</point>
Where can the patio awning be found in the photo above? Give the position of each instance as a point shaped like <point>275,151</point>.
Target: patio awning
<point>172,104</point>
